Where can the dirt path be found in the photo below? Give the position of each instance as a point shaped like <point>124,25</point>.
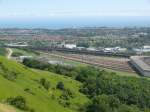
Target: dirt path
<point>6,108</point>
<point>9,50</point>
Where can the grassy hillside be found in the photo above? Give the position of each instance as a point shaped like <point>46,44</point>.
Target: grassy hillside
<point>18,80</point>
<point>3,51</point>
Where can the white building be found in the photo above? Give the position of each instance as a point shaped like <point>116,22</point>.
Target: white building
<point>115,49</point>
<point>19,44</point>
<point>146,49</point>
<point>70,46</point>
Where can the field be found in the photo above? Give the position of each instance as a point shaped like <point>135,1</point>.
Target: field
<point>147,54</point>
<point>40,100</point>
<point>21,52</point>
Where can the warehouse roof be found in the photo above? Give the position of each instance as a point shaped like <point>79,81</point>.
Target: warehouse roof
<point>142,61</point>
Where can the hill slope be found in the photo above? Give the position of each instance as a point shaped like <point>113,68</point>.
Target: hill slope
<point>18,80</point>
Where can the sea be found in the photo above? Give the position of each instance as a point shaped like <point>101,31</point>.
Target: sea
<point>75,22</point>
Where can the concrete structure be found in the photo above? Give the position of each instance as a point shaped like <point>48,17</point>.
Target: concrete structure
<point>142,64</point>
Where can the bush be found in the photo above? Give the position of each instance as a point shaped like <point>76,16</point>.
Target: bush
<point>17,54</point>
<point>18,102</point>
<point>6,73</point>
<point>45,83</point>
<point>126,108</point>
<point>11,76</point>
<point>60,85</point>
<point>29,91</point>
<point>103,103</point>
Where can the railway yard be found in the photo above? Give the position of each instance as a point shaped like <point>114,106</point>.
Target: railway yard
<point>120,64</point>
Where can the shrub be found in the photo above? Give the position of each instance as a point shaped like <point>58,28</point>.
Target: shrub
<point>18,102</point>
<point>8,74</point>
<point>45,83</point>
<point>29,91</point>
<point>60,85</point>
<point>17,54</point>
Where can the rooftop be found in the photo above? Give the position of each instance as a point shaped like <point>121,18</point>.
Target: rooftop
<point>142,61</point>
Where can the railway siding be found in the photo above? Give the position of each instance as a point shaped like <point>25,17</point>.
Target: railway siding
<point>120,65</point>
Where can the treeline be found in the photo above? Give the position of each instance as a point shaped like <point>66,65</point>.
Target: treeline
<point>113,93</point>
<point>107,92</point>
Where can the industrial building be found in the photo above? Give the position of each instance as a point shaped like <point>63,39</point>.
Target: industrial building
<point>19,44</point>
<point>141,64</point>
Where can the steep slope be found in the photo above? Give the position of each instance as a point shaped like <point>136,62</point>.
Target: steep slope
<point>16,79</point>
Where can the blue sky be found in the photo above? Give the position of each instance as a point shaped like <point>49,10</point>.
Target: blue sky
<point>72,8</point>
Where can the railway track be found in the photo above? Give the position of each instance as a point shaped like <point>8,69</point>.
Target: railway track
<point>120,65</point>
<point>76,51</point>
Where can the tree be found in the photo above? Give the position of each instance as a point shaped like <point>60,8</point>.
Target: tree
<point>103,103</point>
<point>126,108</point>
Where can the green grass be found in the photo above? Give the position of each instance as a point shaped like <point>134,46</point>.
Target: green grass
<point>120,73</point>
<point>42,100</point>
<point>147,53</point>
<point>23,52</point>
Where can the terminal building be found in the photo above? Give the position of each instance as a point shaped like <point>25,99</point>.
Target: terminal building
<point>141,64</point>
